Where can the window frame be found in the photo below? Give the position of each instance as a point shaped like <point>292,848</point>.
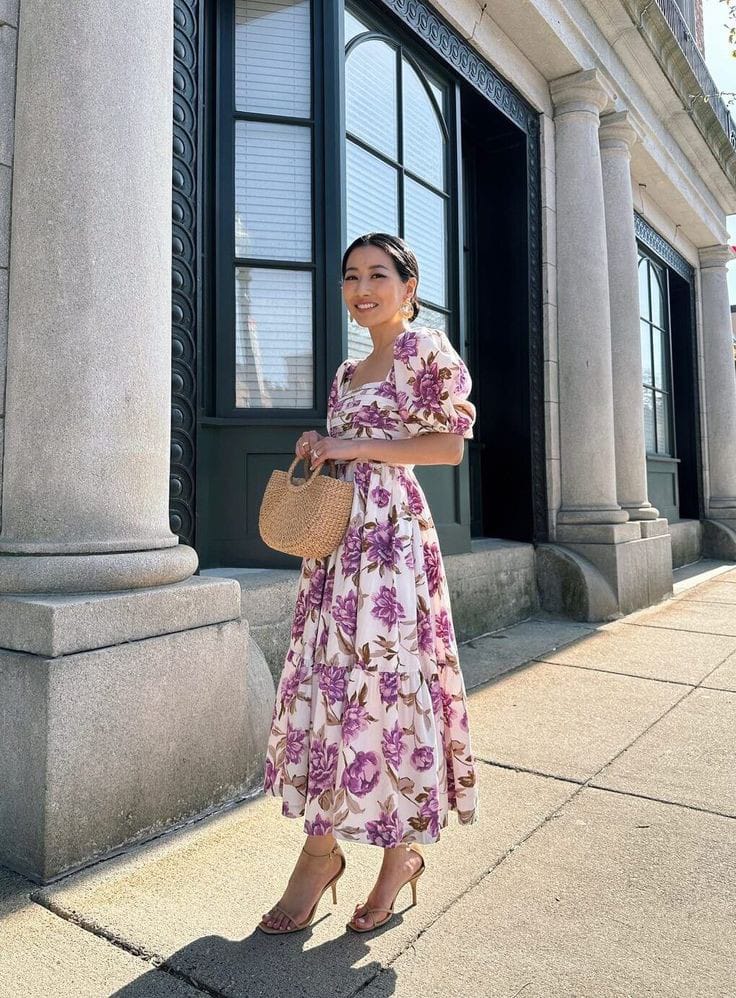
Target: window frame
<point>226,261</point>
<point>666,330</point>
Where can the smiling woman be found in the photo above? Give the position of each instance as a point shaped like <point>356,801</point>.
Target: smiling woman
<point>369,737</point>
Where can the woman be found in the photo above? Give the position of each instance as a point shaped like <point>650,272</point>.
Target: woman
<point>369,738</point>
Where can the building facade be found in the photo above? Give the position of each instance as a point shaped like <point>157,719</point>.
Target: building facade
<point>172,319</point>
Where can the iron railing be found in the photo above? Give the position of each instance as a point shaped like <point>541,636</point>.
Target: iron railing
<point>681,31</point>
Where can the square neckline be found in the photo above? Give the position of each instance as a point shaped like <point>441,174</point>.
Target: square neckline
<point>370,384</point>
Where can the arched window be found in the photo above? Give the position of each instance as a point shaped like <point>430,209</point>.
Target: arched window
<point>397,175</point>
<point>656,357</point>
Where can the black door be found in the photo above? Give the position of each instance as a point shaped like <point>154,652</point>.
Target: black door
<point>496,266</point>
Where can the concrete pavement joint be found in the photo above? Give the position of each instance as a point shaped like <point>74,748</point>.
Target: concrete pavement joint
<point>677,630</point>
<point>663,800</point>
<point>612,672</point>
<point>487,873</point>
<point>154,960</point>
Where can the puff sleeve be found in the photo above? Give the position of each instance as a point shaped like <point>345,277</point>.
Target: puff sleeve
<point>432,384</point>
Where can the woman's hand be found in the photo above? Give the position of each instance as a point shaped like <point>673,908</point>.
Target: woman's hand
<point>306,441</point>
<point>335,449</point>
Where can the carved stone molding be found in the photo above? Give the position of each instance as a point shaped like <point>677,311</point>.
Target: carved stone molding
<point>659,245</point>
<point>184,277</point>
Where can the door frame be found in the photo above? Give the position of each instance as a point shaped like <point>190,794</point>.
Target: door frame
<point>194,23</point>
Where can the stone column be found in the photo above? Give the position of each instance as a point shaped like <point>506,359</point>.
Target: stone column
<point>720,383</point>
<point>617,135</point>
<point>587,447</point>
<point>87,427</point>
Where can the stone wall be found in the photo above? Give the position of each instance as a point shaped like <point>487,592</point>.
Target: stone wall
<point>699,30</point>
<point>8,47</point>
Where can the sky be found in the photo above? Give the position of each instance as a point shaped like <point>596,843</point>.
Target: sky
<point>722,67</point>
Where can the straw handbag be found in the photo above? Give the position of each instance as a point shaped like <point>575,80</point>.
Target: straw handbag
<point>306,517</point>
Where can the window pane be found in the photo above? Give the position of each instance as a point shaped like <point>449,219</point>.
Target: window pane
<point>643,288</point>
<point>272,57</point>
<point>370,95</point>
<point>273,185</point>
<point>353,27</point>
<point>661,367</point>
<point>663,423</point>
<point>649,436</point>
<point>658,290</point>
<point>426,233</point>
<point>430,317</point>
<point>372,199</point>
<point>273,338</point>
<point>424,142</point>
<point>646,352</point>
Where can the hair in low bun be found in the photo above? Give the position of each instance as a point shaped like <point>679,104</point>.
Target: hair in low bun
<point>404,259</point>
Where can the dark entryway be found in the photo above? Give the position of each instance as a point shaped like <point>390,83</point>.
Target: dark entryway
<point>496,263</point>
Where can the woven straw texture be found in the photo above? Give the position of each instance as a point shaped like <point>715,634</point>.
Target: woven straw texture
<point>305,517</point>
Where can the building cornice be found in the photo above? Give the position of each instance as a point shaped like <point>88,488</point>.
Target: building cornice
<point>689,79</point>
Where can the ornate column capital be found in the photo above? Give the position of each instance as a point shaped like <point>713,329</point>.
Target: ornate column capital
<point>716,256</point>
<point>587,90</point>
<point>619,130</point>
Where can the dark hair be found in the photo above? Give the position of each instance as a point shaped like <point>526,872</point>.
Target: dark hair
<point>404,260</point>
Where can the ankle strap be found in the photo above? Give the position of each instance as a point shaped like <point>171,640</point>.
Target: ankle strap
<point>321,855</point>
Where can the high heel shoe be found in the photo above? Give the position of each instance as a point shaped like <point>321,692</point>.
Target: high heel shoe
<point>370,911</point>
<point>298,926</point>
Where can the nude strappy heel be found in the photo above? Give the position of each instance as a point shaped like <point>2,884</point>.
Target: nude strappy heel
<point>412,880</point>
<point>298,926</point>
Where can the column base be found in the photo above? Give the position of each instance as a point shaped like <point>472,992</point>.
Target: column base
<point>718,539</point>
<point>94,573</point>
<point>722,509</point>
<point>150,719</point>
<point>641,511</point>
<point>603,577</point>
<point>604,515</point>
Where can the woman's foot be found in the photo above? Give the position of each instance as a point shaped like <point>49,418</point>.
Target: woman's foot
<point>313,870</point>
<point>398,867</point>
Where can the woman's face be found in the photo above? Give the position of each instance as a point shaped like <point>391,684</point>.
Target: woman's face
<point>372,288</point>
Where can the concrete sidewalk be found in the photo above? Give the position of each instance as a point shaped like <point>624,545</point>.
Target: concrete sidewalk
<point>602,863</point>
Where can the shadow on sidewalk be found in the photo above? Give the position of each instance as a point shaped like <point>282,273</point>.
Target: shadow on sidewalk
<point>262,966</point>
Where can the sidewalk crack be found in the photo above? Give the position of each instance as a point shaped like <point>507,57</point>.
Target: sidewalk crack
<point>150,957</point>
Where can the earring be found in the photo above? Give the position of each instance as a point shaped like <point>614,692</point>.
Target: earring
<point>407,308</point>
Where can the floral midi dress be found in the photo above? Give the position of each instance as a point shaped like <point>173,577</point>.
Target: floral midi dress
<point>369,735</point>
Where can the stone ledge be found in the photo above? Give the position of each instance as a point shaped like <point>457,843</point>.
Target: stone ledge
<point>59,624</point>
<point>491,586</point>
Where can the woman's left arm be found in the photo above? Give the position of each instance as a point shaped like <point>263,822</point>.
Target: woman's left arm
<point>424,448</point>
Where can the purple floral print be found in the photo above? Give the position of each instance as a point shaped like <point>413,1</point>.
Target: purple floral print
<point>322,766</point>
<point>422,758</point>
<point>393,745</point>
<point>381,497</point>
<point>386,606</point>
<point>387,831</point>
<point>332,682</point>
<point>383,544</point>
<point>355,718</point>
<point>344,612</point>
<point>352,546</point>
<point>369,732</point>
<point>361,776</point>
<point>388,685</point>
<point>294,744</point>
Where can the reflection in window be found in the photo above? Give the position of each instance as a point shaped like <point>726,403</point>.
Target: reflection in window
<point>273,210</point>
<point>370,95</point>
<point>273,205</point>
<point>273,338</point>
<point>272,57</point>
<point>655,352</point>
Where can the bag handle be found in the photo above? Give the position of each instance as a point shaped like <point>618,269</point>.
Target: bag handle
<point>309,475</point>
